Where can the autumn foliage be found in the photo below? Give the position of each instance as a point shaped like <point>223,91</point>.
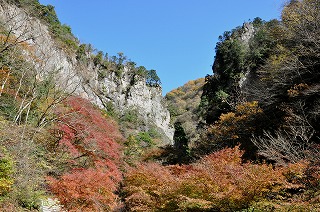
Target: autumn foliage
<point>233,125</point>
<point>91,140</point>
<point>233,128</point>
<point>5,172</point>
<point>219,182</point>
<point>85,189</point>
<point>222,182</point>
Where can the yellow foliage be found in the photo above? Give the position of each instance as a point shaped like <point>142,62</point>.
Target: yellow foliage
<point>225,117</point>
<point>296,89</point>
<point>175,93</point>
<point>248,108</point>
<point>6,169</point>
<point>299,13</point>
<point>190,87</point>
<point>277,60</point>
<point>5,186</point>
<point>290,13</point>
<point>231,125</point>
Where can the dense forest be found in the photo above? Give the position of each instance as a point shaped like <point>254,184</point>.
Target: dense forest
<point>247,137</point>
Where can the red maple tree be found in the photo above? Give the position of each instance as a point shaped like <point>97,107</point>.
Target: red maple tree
<point>84,132</point>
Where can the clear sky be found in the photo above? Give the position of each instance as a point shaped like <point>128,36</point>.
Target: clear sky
<point>175,37</point>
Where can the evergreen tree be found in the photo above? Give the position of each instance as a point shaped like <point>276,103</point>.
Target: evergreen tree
<point>153,79</point>
<point>180,144</point>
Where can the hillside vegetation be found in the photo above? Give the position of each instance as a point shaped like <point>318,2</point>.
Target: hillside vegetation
<point>183,104</point>
<point>264,94</point>
<point>246,138</point>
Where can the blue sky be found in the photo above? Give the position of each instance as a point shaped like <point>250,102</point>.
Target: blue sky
<point>175,37</point>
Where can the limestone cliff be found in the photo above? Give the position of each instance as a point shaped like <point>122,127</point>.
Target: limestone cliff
<point>125,91</point>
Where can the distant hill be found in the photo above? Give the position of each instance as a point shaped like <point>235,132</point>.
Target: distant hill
<point>183,104</point>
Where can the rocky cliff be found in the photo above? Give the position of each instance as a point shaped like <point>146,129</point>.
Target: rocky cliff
<point>124,91</point>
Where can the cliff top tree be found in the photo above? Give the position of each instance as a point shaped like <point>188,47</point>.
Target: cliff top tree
<point>153,79</point>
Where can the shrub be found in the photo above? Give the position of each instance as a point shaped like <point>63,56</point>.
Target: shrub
<point>138,146</point>
<point>85,189</point>
<point>26,147</point>
<point>218,182</point>
<point>6,169</point>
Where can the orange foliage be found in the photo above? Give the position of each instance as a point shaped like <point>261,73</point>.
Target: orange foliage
<point>85,133</point>
<point>218,182</point>
<point>304,174</point>
<point>85,190</point>
<point>191,88</point>
<point>297,89</point>
<point>11,41</point>
<point>6,78</point>
<point>234,125</point>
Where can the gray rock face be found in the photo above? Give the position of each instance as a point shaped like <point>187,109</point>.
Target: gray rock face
<point>124,92</point>
<point>49,57</point>
<point>130,92</point>
<point>248,33</point>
